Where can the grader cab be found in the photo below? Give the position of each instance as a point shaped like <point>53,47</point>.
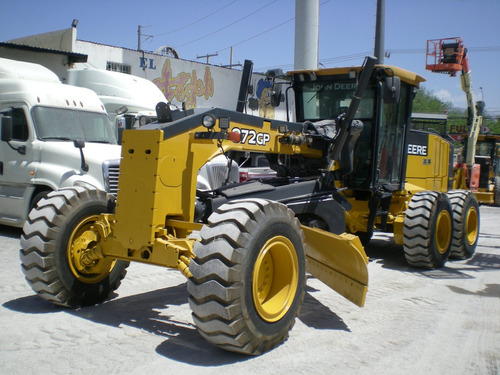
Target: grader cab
<point>245,247</point>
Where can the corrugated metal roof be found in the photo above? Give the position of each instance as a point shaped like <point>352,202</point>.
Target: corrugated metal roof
<point>73,57</point>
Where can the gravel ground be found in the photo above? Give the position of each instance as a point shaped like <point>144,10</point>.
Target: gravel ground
<point>443,321</point>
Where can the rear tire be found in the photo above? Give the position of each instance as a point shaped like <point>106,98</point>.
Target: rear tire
<point>49,259</point>
<point>248,276</point>
<point>465,222</point>
<point>428,230</point>
<point>496,197</point>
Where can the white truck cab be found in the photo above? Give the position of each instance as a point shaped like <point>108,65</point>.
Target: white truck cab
<point>52,136</point>
<point>129,100</point>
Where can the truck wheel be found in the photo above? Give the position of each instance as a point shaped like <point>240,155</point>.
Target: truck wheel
<point>50,259</point>
<point>465,223</point>
<point>428,229</point>
<point>496,197</point>
<point>248,276</point>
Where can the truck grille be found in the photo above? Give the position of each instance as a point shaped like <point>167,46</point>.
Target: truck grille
<point>111,170</point>
<point>217,172</point>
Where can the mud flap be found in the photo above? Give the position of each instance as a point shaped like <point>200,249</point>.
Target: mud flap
<point>339,261</point>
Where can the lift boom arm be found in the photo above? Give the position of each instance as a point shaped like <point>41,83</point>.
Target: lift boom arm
<point>449,56</point>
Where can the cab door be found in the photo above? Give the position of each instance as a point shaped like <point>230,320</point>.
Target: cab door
<point>393,122</point>
<point>16,167</point>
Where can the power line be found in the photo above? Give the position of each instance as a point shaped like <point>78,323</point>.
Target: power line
<point>357,56</point>
<point>257,35</point>
<point>198,20</point>
<point>324,62</point>
<point>266,31</point>
<point>422,50</point>
<point>225,27</point>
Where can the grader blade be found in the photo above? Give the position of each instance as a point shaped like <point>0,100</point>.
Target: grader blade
<point>339,261</point>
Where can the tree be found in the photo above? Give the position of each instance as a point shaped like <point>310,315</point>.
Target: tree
<point>492,123</point>
<point>427,102</point>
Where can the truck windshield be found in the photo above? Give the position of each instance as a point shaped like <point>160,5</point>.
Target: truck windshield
<point>67,124</point>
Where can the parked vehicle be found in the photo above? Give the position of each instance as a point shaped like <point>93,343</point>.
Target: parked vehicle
<point>53,136</point>
<point>253,166</point>
<point>130,101</point>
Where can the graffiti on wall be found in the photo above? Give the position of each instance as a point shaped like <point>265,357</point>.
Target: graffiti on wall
<point>261,101</point>
<point>185,87</point>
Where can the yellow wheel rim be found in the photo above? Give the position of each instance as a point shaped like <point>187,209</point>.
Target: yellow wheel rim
<point>82,240</point>
<point>443,231</point>
<point>471,226</point>
<point>275,279</point>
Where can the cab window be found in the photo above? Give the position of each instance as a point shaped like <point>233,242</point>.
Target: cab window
<point>19,124</point>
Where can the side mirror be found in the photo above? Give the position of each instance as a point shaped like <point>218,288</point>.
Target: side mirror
<point>122,110</point>
<point>80,144</point>
<point>392,90</point>
<point>6,128</point>
<point>276,97</point>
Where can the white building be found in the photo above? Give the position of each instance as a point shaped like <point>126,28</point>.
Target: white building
<point>183,82</point>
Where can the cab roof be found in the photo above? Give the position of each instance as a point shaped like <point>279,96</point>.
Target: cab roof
<point>405,75</point>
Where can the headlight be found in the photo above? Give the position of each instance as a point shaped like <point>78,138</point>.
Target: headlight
<point>224,123</point>
<point>208,121</point>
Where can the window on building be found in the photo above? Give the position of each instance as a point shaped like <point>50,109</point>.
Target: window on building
<point>118,67</point>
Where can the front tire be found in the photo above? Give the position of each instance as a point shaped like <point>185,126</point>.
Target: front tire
<point>248,276</point>
<point>428,230</point>
<point>465,222</point>
<point>52,236</point>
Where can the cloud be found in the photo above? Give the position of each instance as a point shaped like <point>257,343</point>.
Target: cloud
<point>444,95</point>
<point>456,100</point>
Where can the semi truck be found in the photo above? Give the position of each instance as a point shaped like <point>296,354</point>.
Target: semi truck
<point>53,136</point>
<point>129,100</point>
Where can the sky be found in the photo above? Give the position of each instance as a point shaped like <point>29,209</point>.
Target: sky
<point>263,31</point>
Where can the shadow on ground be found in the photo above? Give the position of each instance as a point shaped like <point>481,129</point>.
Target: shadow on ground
<point>149,312</point>
<point>10,232</point>
<point>383,250</point>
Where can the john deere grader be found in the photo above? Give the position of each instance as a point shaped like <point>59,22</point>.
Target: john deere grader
<point>245,248</point>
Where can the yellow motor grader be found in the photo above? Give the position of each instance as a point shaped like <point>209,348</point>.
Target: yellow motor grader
<point>245,248</point>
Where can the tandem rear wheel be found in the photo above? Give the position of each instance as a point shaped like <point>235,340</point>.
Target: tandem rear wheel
<point>466,223</point>
<point>428,230</point>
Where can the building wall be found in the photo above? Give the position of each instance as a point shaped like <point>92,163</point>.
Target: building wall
<point>56,62</point>
<point>61,40</point>
<point>183,82</point>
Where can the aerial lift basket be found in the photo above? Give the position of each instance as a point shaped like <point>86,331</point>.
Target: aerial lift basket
<point>447,56</point>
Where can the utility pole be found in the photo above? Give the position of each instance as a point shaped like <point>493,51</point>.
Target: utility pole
<point>208,56</point>
<point>140,35</point>
<point>231,61</point>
